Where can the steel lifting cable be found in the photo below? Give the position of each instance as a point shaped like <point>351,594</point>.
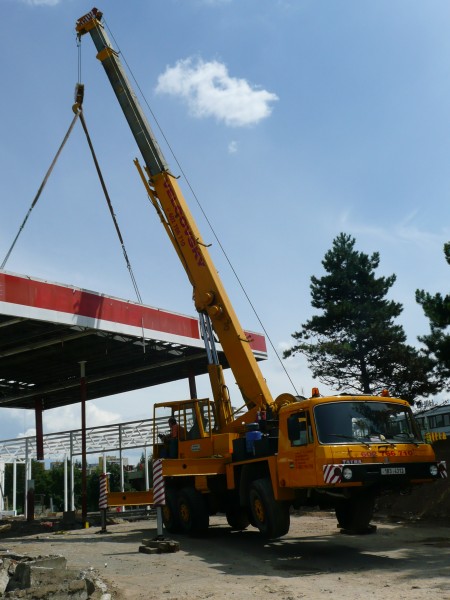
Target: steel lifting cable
<point>78,109</point>
<point>111,210</point>
<point>36,198</point>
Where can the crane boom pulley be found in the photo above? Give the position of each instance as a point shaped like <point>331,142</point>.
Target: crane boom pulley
<point>40,190</point>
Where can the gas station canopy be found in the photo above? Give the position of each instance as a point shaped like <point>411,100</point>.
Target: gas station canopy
<point>48,329</point>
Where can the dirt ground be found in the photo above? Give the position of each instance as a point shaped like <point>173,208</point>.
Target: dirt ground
<point>424,502</point>
<point>403,559</point>
<point>408,556</point>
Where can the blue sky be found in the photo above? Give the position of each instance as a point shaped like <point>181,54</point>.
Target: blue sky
<point>294,120</point>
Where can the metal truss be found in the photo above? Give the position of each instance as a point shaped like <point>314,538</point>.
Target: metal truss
<point>106,438</point>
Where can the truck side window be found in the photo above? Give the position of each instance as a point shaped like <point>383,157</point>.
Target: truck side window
<point>299,429</point>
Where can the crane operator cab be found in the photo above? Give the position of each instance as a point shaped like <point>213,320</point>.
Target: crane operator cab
<point>195,432</point>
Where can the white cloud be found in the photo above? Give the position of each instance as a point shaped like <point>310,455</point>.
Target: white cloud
<point>41,2</point>
<point>214,2</point>
<point>31,432</point>
<point>69,417</point>
<point>405,230</point>
<point>210,91</point>
<point>232,147</point>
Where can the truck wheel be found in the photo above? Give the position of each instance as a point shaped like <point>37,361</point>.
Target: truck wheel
<point>237,518</point>
<point>356,513</point>
<point>170,516</point>
<point>271,517</point>
<point>192,512</point>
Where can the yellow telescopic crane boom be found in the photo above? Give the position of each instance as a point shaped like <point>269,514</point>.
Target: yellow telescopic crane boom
<point>211,300</point>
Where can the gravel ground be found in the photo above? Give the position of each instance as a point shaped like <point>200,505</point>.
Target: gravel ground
<point>315,560</point>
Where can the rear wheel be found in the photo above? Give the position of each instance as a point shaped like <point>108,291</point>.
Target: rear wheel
<point>170,516</point>
<point>356,513</point>
<point>192,512</point>
<point>237,518</point>
<point>270,516</point>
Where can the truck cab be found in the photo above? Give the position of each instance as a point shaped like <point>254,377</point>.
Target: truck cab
<point>352,441</point>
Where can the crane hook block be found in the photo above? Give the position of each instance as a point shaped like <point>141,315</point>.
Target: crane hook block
<point>79,95</point>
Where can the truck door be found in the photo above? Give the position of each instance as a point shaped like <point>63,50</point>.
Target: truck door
<point>296,451</point>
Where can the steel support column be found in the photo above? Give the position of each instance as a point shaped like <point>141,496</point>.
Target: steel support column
<point>14,507</point>
<point>66,487</point>
<point>192,385</point>
<point>2,486</point>
<point>83,443</point>
<point>38,408</point>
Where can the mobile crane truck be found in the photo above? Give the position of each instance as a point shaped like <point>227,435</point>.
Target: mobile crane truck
<point>256,462</point>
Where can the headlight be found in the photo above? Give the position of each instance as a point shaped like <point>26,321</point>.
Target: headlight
<point>347,473</point>
<point>433,470</point>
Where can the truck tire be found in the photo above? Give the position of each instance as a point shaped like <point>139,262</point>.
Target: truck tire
<point>170,515</point>
<point>237,518</point>
<point>192,512</point>
<point>270,516</point>
<point>356,513</point>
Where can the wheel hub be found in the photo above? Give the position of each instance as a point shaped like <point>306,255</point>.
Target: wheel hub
<point>259,510</point>
<point>184,513</point>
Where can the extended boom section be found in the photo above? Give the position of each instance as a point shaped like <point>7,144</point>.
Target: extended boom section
<point>210,296</point>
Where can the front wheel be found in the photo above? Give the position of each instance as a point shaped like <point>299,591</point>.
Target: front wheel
<point>356,513</point>
<point>237,518</point>
<point>270,516</point>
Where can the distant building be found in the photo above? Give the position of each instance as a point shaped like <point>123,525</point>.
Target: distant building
<point>435,419</point>
<point>114,460</point>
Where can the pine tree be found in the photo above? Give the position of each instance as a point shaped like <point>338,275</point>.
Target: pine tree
<point>354,344</point>
<point>437,342</point>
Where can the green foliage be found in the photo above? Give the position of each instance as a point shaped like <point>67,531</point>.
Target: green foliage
<point>354,343</point>
<point>20,474</point>
<point>93,489</point>
<point>49,483</point>
<point>437,342</point>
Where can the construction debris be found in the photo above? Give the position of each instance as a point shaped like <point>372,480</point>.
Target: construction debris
<point>43,577</point>
<point>157,546</point>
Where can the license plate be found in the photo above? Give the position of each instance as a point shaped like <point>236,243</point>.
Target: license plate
<point>393,470</point>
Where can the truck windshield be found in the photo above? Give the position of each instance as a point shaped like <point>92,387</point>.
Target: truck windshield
<point>365,422</point>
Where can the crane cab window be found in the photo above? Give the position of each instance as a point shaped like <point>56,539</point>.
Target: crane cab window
<point>195,419</point>
<point>199,418</point>
<point>299,429</point>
